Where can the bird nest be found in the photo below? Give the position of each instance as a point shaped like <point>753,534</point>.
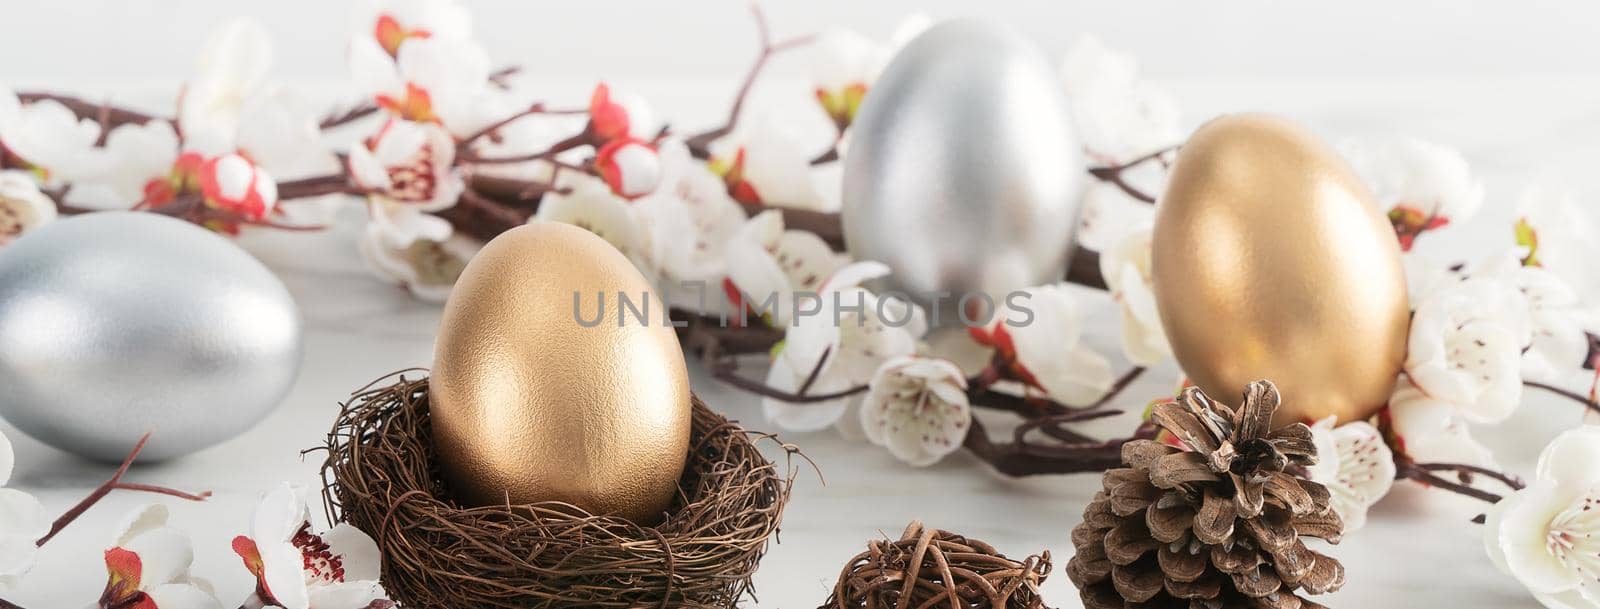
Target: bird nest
<point>933,569</point>
<point>380,476</point>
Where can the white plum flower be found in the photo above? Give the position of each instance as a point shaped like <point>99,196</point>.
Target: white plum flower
<point>134,156</point>
<point>391,23</point>
<point>918,408</point>
<point>1036,336</point>
<point>1356,466</point>
<point>762,162</point>
<point>23,522</point>
<point>148,566</point>
<point>1119,115</point>
<point>630,167</point>
<point>844,64</point>
<point>1466,346</point>
<point>1419,185</point>
<point>427,267</point>
<point>22,206</point>
<point>298,568</point>
<point>849,335</point>
<point>1431,430</point>
<point>1558,319</point>
<point>686,224</point>
<point>232,72</point>
<point>769,267</point>
<point>1556,233</point>
<point>1126,268</point>
<point>443,80</point>
<point>1545,535</point>
<point>590,205</point>
<point>408,163</point>
<point>48,138</point>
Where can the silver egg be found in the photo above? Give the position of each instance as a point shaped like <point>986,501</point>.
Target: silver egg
<point>114,324</point>
<point>964,172</point>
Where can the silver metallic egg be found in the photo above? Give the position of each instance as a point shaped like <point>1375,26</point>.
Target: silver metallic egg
<point>964,171</point>
<point>115,324</point>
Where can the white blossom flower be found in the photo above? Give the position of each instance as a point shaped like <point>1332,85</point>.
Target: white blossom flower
<point>592,206</point>
<point>427,267</point>
<point>1038,334</point>
<point>1556,233</point>
<point>47,138</point>
<point>234,183</point>
<point>630,167</point>
<point>1420,186</point>
<point>1466,347</point>
<point>22,522</point>
<point>133,157</point>
<point>844,64</point>
<point>22,206</point>
<point>1430,430</point>
<point>1558,319</point>
<point>148,566</point>
<point>408,163</point>
<point>1356,466</point>
<point>433,80</point>
<point>392,23</point>
<point>232,72</point>
<point>762,162</point>
<point>918,408</point>
<point>1126,269</point>
<point>687,224</point>
<point>1119,115</point>
<point>298,568</point>
<point>1544,535</point>
<point>768,267</point>
<point>852,332</point>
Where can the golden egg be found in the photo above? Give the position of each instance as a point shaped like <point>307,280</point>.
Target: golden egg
<point>1272,262</point>
<point>546,388</point>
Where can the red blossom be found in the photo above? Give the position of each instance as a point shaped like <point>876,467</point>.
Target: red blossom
<point>391,34</point>
<point>608,120</point>
<point>417,105</point>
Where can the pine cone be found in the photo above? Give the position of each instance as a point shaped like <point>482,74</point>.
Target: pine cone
<point>1218,525</point>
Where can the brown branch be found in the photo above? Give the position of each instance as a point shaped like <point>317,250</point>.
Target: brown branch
<point>316,186</point>
<point>1013,459</point>
<point>1466,471</point>
<point>727,372</point>
<point>1112,174</point>
<point>112,484</point>
<point>700,145</point>
<point>108,115</point>
<point>1411,471</point>
<point>580,139</point>
<point>348,115</point>
<point>1571,395</point>
<point>536,108</point>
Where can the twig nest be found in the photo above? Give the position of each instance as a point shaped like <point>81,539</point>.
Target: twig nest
<point>380,475</point>
<point>933,569</point>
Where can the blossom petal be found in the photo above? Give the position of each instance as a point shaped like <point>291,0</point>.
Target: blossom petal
<point>165,553</point>
<point>1572,459</point>
<point>1522,532</point>
<point>279,515</point>
<point>182,596</point>
<point>357,551</point>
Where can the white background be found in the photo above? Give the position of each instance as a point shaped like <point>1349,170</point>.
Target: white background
<point>1516,86</point>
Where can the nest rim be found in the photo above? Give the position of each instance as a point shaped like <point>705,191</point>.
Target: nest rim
<point>380,475</point>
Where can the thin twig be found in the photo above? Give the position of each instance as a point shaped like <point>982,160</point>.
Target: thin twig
<point>1572,395</point>
<point>549,154</point>
<point>536,108</point>
<point>1112,174</point>
<point>112,484</point>
<point>348,115</point>
<point>1463,469</point>
<point>700,144</point>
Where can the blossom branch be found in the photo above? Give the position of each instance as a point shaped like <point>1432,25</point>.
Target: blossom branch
<point>108,115</point>
<point>1113,174</point>
<point>492,128</point>
<point>1571,395</point>
<point>113,484</point>
<point>700,145</point>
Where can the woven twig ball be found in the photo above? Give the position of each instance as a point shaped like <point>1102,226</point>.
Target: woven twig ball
<point>380,476</point>
<point>933,569</point>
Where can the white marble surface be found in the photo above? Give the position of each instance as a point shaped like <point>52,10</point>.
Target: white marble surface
<point>1419,550</point>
